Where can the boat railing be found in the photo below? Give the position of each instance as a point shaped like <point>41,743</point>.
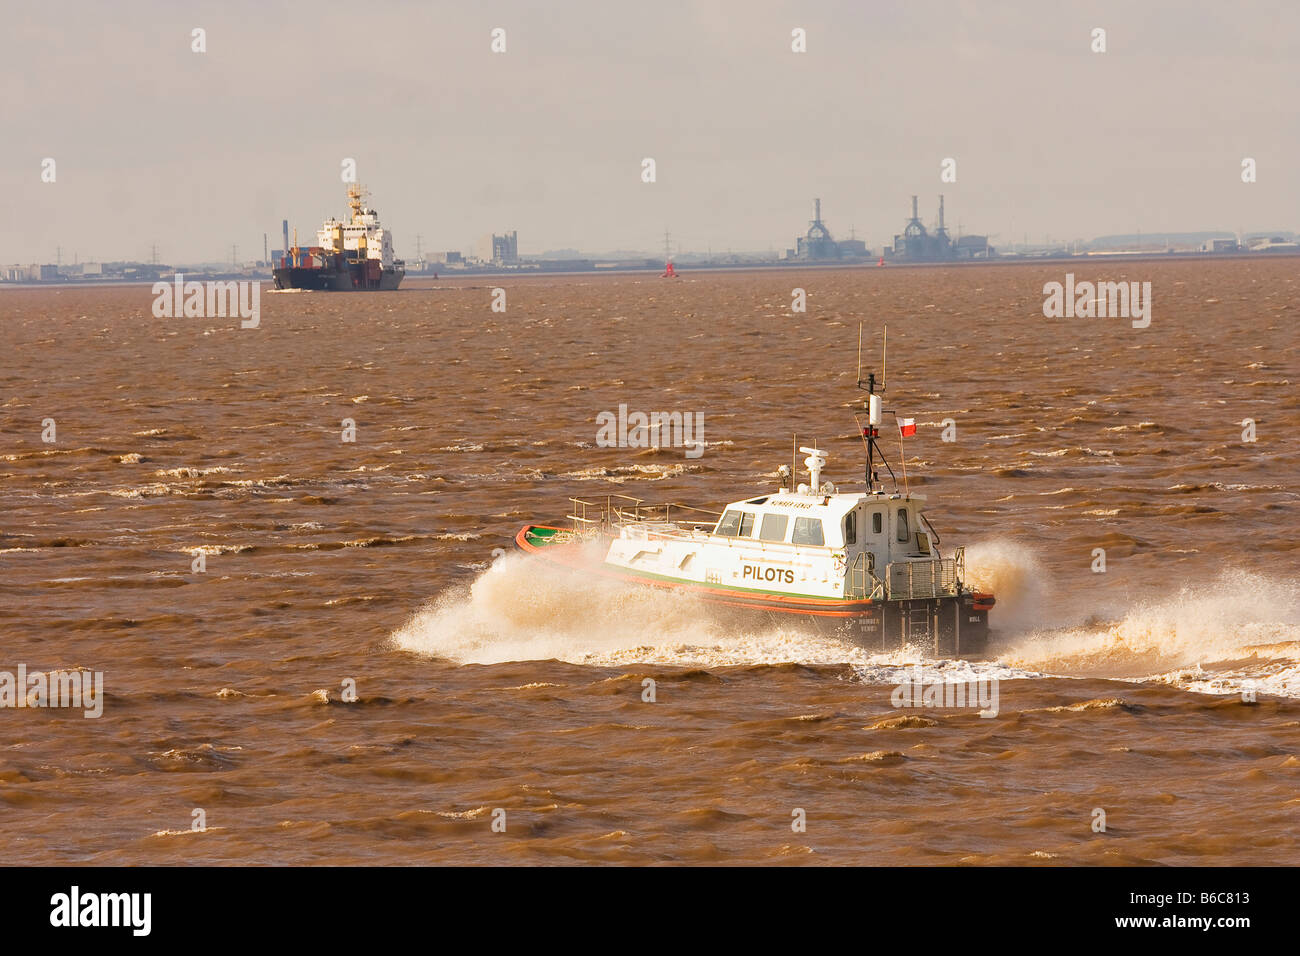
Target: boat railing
<point>862,582</point>
<point>906,580</point>
<point>613,512</point>
<point>590,516</point>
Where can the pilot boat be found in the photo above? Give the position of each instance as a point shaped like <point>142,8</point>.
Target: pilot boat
<point>864,565</point>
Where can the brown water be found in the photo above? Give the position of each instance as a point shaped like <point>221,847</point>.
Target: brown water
<point>520,688</point>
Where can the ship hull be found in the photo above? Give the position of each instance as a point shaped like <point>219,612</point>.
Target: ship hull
<point>948,626</point>
<point>350,278</point>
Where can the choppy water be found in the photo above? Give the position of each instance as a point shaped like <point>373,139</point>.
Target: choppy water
<point>489,682</point>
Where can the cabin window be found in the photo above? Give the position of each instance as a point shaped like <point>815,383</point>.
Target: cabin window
<point>808,531</point>
<point>877,522</point>
<point>851,528</point>
<point>729,524</point>
<point>902,525</point>
<point>736,524</point>
<point>773,528</point>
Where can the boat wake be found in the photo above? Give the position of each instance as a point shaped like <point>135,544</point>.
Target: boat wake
<point>1240,631</point>
<point>1237,632</point>
<point>526,608</point>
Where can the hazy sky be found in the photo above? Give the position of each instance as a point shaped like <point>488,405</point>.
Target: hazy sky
<point>155,143</point>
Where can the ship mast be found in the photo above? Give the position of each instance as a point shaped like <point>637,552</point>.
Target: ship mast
<point>875,414</point>
<point>354,202</point>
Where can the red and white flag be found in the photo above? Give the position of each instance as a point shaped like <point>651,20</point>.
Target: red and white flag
<point>907,426</point>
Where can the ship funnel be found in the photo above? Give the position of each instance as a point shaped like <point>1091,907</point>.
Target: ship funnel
<point>815,461</point>
<point>913,207</point>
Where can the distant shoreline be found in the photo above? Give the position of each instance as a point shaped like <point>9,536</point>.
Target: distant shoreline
<point>688,269</point>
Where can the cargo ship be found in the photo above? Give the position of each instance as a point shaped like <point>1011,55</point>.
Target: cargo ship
<point>865,566</point>
<point>348,256</point>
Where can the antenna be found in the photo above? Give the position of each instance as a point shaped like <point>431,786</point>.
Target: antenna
<point>871,378</point>
<point>884,358</point>
<point>859,355</point>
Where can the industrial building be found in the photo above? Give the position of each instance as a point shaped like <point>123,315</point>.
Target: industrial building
<point>32,273</point>
<point>499,250</point>
<point>1271,244</point>
<point>819,245</point>
<point>918,244</point>
<point>83,269</point>
<point>973,247</point>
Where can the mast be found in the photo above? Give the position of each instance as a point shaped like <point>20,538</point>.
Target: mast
<point>354,202</point>
<point>875,414</point>
<point>872,432</point>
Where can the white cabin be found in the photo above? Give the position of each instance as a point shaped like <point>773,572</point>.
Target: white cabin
<point>363,234</point>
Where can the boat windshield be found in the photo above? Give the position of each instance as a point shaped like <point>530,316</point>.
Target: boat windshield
<point>736,524</point>
<point>808,531</point>
<point>729,524</point>
<point>773,527</point>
